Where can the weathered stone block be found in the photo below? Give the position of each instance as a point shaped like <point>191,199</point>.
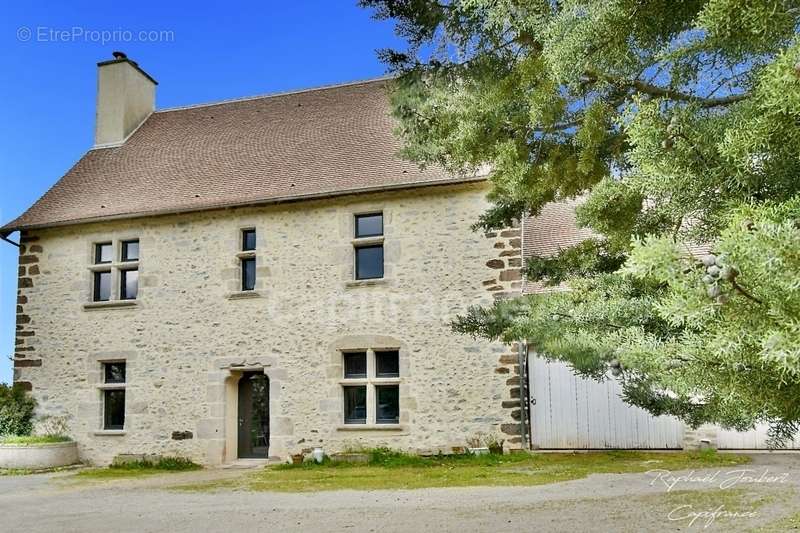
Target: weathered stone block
<point>27,363</point>
<point>510,275</point>
<point>495,263</point>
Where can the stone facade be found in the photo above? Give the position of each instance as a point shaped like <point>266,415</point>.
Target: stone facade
<point>190,333</point>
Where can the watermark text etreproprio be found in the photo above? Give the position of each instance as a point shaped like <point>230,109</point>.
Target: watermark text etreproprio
<point>81,34</point>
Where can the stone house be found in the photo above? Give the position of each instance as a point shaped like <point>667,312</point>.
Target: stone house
<point>257,277</point>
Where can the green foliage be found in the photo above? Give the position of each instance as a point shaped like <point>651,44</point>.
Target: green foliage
<point>163,463</point>
<point>16,410</point>
<point>24,440</point>
<point>589,257</point>
<point>676,123</point>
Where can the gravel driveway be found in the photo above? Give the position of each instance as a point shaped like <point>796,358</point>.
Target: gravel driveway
<point>609,502</point>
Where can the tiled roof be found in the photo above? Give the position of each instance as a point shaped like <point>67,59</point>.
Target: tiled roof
<point>553,229</point>
<point>305,144</point>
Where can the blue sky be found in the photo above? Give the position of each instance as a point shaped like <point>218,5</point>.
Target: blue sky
<point>212,51</point>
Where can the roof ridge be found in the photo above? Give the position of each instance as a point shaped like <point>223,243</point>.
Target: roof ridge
<point>274,95</point>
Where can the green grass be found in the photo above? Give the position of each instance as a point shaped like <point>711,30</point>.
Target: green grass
<point>23,440</point>
<point>392,470</point>
<point>29,471</point>
<point>135,469</point>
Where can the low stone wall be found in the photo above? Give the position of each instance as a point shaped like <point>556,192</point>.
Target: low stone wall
<point>38,456</point>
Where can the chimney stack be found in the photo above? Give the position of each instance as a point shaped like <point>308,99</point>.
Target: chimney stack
<point>126,95</point>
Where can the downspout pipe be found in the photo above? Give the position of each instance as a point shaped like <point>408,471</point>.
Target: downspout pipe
<point>4,236</point>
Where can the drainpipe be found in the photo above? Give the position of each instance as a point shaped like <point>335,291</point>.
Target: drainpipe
<point>4,236</point>
<point>524,394</point>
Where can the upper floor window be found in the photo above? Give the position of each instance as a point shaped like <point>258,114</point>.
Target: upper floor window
<point>108,274</point>
<point>103,252</point>
<point>368,246</point>
<point>247,258</point>
<point>130,250</point>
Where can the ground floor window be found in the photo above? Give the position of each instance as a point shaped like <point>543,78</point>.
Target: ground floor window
<point>113,395</point>
<point>371,386</point>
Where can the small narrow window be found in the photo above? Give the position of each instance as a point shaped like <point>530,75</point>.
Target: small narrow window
<point>387,364</point>
<point>129,284</point>
<point>387,398</point>
<point>248,240</point>
<point>102,286</point>
<point>355,365</point>
<point>103,253</point>
<point>114,401</point>
<point>248,262</point>
<point>355,405</point>
<point>369,262</point>
<point>369,255</point>
<point>114,372</point>
<point>369,225</point>
<point>114,398</point>
<point>248,273</point>
<point>130,250</point>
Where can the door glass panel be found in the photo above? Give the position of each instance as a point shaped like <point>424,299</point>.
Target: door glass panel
<point>253,415</point>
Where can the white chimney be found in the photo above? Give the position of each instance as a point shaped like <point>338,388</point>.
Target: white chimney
<point>126,95</point>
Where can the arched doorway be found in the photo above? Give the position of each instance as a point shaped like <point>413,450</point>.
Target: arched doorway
<point>253,419</point>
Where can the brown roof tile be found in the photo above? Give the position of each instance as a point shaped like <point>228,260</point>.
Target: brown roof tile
<point>306,144</point>
<point>553,229</point>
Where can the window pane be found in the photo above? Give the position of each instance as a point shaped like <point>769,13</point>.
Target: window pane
<point>248,274</point>
<point>369,225</point>
<point>248,239</point>
<point>114,372</point>
<point>114,409</point>
<point>387,364</point>
<point>355,405</point>
<point>103,253</point>
<point>369,262</point>
<point>129,284</point>
<point>102,286</point>
<point>388,399</point>
<point>130,250</point>
<point>355,365</point>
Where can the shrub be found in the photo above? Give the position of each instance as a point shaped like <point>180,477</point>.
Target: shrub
<point>33,439</point>
<point>52,426</point>
<point>163,463</point>
<point>16,410</point>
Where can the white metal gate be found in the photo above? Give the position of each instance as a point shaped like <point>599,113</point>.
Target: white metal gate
<point>749,440</point>
<point>569,412</point>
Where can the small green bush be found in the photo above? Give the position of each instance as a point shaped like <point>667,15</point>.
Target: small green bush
<point>33,439</point>
<point>164,463</point>
<point>16,410</point>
